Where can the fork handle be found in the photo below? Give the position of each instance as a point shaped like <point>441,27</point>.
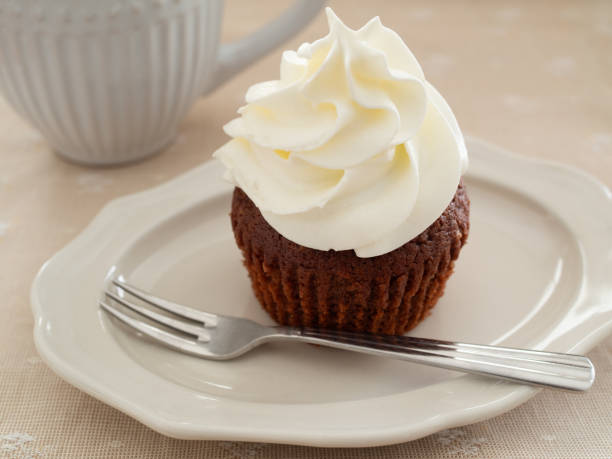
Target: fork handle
<point>551,369</point>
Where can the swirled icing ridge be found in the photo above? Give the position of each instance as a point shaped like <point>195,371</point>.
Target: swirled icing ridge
<point>351,148</point>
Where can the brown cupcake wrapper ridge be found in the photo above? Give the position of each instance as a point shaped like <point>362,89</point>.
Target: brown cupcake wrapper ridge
<point>388,294</point>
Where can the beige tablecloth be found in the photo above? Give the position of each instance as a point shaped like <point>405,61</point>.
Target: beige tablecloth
<point>534,77</point>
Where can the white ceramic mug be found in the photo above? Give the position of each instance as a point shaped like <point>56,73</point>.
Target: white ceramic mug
<point>108,82</point>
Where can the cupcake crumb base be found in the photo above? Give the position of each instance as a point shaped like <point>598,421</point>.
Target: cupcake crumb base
<point>387,294</point>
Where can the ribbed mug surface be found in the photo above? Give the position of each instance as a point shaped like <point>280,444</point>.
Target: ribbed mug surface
<point>107,82</point>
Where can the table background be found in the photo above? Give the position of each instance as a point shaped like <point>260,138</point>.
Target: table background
<point>534,77</point>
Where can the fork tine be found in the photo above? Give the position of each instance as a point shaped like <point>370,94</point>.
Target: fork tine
<point>208,319</point>
<point>195,330</point>
<point>162,336</point>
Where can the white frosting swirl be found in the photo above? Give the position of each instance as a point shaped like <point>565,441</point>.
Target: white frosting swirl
<point>351,148</point>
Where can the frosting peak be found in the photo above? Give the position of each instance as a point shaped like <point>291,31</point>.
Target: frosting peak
<point>351,148</point>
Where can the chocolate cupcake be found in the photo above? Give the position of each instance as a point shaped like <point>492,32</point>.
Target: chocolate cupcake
<point>389,293</point>
<point>349,207</point>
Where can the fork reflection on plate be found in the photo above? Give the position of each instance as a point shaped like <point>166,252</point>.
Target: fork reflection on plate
<point>218,337</point>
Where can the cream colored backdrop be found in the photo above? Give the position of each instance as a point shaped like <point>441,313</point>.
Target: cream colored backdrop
<point>534,77</point>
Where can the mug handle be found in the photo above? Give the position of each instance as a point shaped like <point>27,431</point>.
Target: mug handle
<point>235,56</point>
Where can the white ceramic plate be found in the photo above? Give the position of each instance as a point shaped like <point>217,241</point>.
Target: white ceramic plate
<point>535,273</point>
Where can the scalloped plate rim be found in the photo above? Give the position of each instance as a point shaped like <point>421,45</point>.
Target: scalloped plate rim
<point>513,394</point>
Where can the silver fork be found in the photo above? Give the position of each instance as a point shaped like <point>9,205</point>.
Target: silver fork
<point>217,337</point>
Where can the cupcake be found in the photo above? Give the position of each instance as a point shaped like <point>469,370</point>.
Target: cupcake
<point>349,207</point>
